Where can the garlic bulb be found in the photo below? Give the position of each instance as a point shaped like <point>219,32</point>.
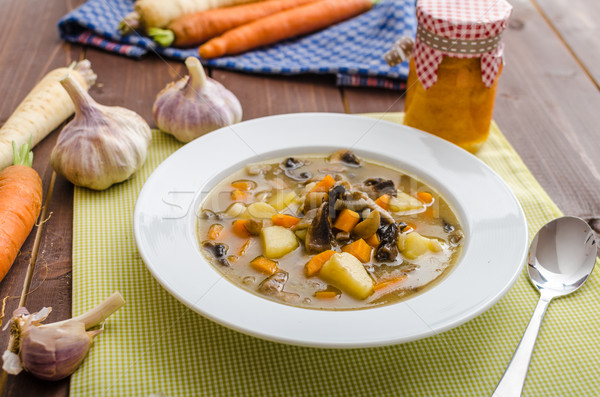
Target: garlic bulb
<point>102,145</point>
<point>195,105</point>
<point>54,351</point>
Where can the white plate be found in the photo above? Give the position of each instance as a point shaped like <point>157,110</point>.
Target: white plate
<point>493,221</point>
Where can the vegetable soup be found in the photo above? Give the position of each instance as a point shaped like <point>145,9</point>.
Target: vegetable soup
<point>328,232</point>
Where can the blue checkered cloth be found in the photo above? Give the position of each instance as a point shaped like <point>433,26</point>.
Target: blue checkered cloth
<point>352,50</point>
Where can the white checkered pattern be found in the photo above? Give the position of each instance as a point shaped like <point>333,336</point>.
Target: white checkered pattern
<point>463,20</point>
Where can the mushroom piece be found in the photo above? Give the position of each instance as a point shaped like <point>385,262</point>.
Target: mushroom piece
<point>376,187</point>
<point>345,156</point>
<point>290,164</point>
<point>358,201</point>
<point>335,193</point>
<point>368,226</point>
<point>387,250</point>
<point>273,286</point>
<point>218,251</point>
<point>319,235</point>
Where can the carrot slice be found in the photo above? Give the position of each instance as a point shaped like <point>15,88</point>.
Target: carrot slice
<point>324,184</point>
<point>284,220</point>
<point>325,294</point>
<point>238,195</point>
<point>239,228</point>
<point>373,240</point>
<point>425,197</point>
<point>264,265</point>
<point>360,249</point>
<point>214,231</point>
<point>243,185</point>
<point>313,266</point>
<point>388,283</point>
<point>383,201</point>
<point>346,220</point>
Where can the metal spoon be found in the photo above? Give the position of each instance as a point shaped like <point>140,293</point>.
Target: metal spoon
<point>561,258</point>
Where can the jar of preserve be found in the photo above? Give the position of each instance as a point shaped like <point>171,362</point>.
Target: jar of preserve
<point>454,68</point>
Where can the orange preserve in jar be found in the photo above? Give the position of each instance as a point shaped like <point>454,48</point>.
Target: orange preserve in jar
<point>454,68</point>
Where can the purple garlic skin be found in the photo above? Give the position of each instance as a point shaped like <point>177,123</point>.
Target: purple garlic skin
<point>195,105</point>
<point>53,353</point>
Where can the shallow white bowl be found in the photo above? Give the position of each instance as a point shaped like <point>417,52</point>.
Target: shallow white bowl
<point>493,221</point>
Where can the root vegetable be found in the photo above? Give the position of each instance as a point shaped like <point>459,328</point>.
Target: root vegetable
<point>45,107</point>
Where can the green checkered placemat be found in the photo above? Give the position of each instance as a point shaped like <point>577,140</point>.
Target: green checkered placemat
<point>157,346</point>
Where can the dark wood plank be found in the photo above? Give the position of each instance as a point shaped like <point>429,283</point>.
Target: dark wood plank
<point>262,95</point>
<point>368,100</point>
<point>576,21</point>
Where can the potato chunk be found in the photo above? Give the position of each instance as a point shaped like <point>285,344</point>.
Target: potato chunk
<point>412,245</point>
<point>346,272</point>
<point>282,199</point>
<point>404,202</point>
<point>277,241</point>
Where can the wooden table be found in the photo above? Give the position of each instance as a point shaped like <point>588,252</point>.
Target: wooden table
<point>548,106</point>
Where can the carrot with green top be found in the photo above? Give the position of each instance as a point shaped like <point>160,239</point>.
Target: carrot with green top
<point>20,205</point>
<point>192,29</point>
<point>286,24</point>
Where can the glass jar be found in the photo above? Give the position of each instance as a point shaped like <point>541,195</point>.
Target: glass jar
<point>458,107</point>
<point>454,67</point>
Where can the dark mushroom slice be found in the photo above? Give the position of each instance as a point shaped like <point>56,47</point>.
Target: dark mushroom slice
<point>335,193</point>
<point>358,201</point>
<point>273,286</point>
<point>377,187</point>
<point>319,235</point>
<point>387,250</point>
<point>291,164</point>
<point>208,214</point>
<point>345,156</point>
<point>218,251</point>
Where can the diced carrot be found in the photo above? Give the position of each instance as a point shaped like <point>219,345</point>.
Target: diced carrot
<point>389,284</point>
<point>313,266</point>
<point>284,220</point>
<point>243,185</point>
<point>425,197</point>
<point>326,294</point>
<point>383,201</point>
<point>373,240</point>
<point>346,220</point>
<point>264,265</point>
<point>238,195</point>
<point>214,231</point>
<point>409,227</point>
<point>360,249</point>
<point>244,248</point>
<point>239,228</point>
<point>324,184</point>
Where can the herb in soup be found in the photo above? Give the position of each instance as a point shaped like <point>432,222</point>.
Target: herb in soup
<point>329,232</point>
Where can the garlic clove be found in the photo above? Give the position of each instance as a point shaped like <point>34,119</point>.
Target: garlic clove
<point>102,145</point>
<point>53,353</point>
<point>195,105</point>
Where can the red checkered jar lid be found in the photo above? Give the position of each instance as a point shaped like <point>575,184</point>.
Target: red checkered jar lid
<point>460,29</point>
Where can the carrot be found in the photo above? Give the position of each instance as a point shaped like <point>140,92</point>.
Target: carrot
<point>284,220</point>
<point>360,249</point>
<point>326,294</point>
<point>192,29</point>
<point>20,205</point>
<point>159,13</point>
<point>425,197</point>
<point>383,201</point>
<point>214,231</point>
<point>238,195</point>
<point>239,228</point>
<point>264,265</point>
<point>245,186</point>
<point>283,25</point>
<point>346,220</point>
<point>324,184</point>
<point>389,284</point>
<point>45,107</point>
<point>244,247</point>
<point>409,227</point>
<point>373,240</point>
<point>314,265</point>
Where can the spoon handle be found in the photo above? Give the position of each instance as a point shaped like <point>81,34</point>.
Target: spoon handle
<point>513,380</point>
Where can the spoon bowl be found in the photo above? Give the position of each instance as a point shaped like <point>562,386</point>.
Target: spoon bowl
<point>561,258</point>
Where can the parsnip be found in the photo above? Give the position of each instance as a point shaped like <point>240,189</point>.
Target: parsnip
<point>159,13</point>
<point>45,107</point>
